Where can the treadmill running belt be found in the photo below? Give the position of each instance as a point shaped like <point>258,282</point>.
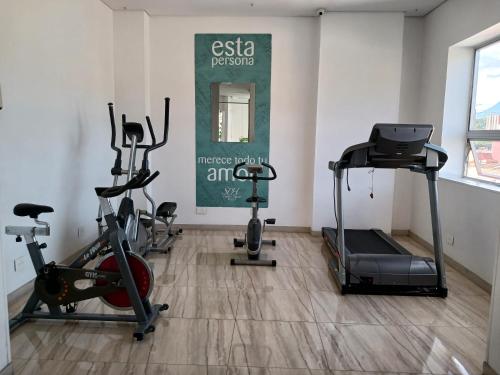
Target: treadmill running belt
<point>367,242</point>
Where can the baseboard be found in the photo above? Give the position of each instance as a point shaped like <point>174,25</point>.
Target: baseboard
<point>20,292</point>
<point>219,227</point>
<point>399,232</point>
<point>8,370</point>
<point>476,279</point>
<point>488,370</point>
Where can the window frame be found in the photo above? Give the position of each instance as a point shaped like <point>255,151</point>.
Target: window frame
<point>478,135</point>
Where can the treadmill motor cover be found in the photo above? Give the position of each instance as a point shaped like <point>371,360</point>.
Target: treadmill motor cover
<point>391,269</point>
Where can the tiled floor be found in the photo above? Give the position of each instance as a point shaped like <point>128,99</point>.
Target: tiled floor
<point>290,320</point>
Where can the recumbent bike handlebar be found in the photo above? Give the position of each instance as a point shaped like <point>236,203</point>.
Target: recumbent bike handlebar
<point>255,172</point>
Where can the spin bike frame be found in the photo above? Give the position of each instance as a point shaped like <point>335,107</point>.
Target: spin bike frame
<point>114,236</point>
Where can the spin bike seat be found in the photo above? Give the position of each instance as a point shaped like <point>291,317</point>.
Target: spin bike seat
<point>256,199</point>
<point>166,209</point>
<point>31,210</point>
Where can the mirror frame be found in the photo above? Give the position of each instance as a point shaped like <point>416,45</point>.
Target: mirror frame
<point>214,105</point>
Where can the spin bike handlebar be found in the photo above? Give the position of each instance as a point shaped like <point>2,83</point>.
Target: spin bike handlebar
<point>139,181</point>
<point>254,176</point>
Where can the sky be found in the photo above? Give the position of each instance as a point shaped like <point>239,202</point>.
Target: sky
<point>488,82</point>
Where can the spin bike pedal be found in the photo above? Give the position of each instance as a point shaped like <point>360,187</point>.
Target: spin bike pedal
<point>238,243</point>
<point>270,221</point>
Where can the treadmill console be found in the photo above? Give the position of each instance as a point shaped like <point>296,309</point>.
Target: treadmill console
<point>400,139</point>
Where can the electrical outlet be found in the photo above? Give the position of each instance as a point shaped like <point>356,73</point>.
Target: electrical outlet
<point>20,264</point>
<point>201,210</point>
<point>80,232</point>
<point>450,240</point>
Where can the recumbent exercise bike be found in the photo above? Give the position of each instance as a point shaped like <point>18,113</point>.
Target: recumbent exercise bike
<point>253,240</point>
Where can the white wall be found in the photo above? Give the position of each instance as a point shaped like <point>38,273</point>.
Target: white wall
<point>359,84</point>
<point>56,72</point>
<point>4,320</point>
<point>494,333</point>
<point>408,114</point>
<point>293,94</point>
<point>469,214</point>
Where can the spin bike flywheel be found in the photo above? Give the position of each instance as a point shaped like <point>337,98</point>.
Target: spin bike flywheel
<point>141,272</point>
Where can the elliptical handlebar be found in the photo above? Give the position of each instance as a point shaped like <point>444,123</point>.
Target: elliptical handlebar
<point>151,131</point>
<point>254,176</point>
<point>154,145</point>
<point>118,160</point>
<point>117,168</point>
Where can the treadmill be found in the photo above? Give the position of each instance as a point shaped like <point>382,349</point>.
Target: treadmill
<point>370,261</point>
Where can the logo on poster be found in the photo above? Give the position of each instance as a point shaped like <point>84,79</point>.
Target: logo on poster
<point>231,193</point>
<point>233,52</point>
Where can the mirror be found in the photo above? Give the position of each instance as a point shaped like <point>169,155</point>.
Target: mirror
<point>233,112</point>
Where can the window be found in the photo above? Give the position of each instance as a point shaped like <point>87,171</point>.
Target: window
<point>483,137</point>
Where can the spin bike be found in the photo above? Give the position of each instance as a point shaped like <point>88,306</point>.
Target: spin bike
<point>141,225</point>
<point>121,279</point>
<point>253,239</point>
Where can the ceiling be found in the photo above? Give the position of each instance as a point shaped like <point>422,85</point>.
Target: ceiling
<point>289,8</point>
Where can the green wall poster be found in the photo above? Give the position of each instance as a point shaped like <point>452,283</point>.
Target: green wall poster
<point>232,96</point>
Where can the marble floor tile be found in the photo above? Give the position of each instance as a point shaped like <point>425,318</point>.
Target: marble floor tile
<point>308,244</point>
<point>275,333</point>
<point>154,369</point>
<point>276,277</point>
<point>275,304</point>
<point>116,368</point>
<point>448,350</point>
<point>18,365</point>
<point>374,348</point>
<point>274,371</point>
<point>211,258</point>
<point>456,310</point>
<point>216,276</point>
<point>103,344</point>
<point>277,344</point>
<point>318,279</point>
<point>222,240</point>
<point>169,273</point>
<point>51,367</point>
<point>192,341</point>
<point>335,308</point>
<point>314,258</point>
<point>178,255</point>
<point>191,238</point>
<point>372,373</point>
<point>481,332</point>
<point>194,302</point>
<point>459,284</point>
<point>26,340</point>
